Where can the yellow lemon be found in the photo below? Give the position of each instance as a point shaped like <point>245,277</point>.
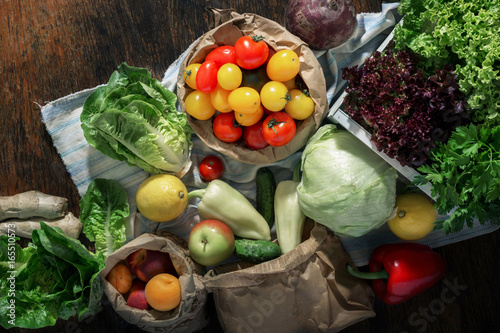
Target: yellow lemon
<point>414,218</point>
<point>161,197</point>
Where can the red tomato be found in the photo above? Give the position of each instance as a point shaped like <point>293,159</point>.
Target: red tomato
<point>222,55</point>
<point>251,51</point>
<point>211,167</point>
<point>226,128</point>
<point>278,129</point>
<point>252,135</point>
<point>206,78</point>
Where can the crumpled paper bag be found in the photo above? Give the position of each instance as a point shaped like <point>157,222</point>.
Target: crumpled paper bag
<point>305,290</point>
<point>230,27</point>
<point>190,315</point>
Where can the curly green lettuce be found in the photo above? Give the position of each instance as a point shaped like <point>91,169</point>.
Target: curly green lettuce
<point>465,34</point>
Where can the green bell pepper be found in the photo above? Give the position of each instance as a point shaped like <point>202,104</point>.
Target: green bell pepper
<point>220,201</point>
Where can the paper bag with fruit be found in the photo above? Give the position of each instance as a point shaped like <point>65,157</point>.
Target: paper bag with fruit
<point>152,282</point>
<point>249,73</point>
<point>307,289</point>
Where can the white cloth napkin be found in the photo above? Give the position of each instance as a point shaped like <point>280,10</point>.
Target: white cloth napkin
<point>84,163</point>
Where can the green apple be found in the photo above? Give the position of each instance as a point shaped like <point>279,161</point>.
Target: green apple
<point>210,242</point>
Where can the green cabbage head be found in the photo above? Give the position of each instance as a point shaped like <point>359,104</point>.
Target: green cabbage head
<point>345,185</point>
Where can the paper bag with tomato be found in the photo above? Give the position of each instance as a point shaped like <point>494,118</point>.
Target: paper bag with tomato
<point>279,73</point>
<point>143,256</point>
<point>305,290</point>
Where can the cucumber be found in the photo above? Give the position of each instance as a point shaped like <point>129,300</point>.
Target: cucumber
<point>266,187</point>
<point>256,251</point>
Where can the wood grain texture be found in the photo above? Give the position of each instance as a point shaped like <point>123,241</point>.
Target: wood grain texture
<point>51,48</point>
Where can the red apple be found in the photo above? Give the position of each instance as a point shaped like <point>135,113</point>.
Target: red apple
<point>137,296</point>
<point>210,242</point>
<point>146,263</point>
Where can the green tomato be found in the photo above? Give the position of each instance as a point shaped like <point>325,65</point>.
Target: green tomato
<point>254,78</point>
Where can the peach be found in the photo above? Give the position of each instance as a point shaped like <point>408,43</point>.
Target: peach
<point>120,277</point>
<point>137,296</point>
<point>146,263</point>
<point>163,292</point>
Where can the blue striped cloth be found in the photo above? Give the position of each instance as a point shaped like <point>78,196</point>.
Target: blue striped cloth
<point>84,163</point>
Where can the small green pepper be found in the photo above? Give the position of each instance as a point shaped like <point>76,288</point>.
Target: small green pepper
<point>220,201</point>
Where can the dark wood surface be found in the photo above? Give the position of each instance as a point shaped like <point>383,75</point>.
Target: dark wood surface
<point>51,48</point>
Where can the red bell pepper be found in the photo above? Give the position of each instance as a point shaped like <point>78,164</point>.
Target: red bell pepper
<point>401,271</point>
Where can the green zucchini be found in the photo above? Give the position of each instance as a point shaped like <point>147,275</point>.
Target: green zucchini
<point>256,251</point>
<point>266,187</point>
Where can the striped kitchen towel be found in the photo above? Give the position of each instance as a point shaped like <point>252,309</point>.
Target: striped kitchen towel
<point>84,163</point>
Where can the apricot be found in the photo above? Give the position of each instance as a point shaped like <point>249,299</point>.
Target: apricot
<point>120,277</point>
<point>163,292</point>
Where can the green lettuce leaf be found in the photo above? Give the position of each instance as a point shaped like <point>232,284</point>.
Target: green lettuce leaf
<point>464,34</point>
<point>104,209</point>
<point>58,278</point>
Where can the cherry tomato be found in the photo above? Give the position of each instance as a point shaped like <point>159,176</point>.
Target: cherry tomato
<point>206,78</point>
<point>218,97</point>
<point>244,100</point>
<point>253,138</point>
<point>274,96</point>
<point>283,66</point>
<point>211,167</point>
<point>254,78</point>
<point>226,128</point>
<point>251,51</point>
<point>248,119</point>
<point>199,105</point>
<point>300,106</point>
<point>222,55</point>
<point>278,129</point>
<point>189,75</point>
<point>229,76</point>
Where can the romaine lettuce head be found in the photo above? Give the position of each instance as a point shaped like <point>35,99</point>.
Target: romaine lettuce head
<point>56,277</point>
<point>134,119</point>
<point>345,185</point>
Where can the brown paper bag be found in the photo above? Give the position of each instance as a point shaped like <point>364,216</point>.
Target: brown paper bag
<point>231,26</point>
<point>190,315</point>
<point>306,290</point>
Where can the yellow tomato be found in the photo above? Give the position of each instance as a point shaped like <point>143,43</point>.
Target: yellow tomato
<point>189,75</point>
<point>229,76</point>
<point>199,105</point>
<point>300,106</point>
<point>283,66</point>
<point>219,97</point>
<point>249,119</point>
<point>274,96</point>
<point>244,100</point>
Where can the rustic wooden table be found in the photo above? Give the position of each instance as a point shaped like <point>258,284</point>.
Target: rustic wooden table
<point>51,48</point>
